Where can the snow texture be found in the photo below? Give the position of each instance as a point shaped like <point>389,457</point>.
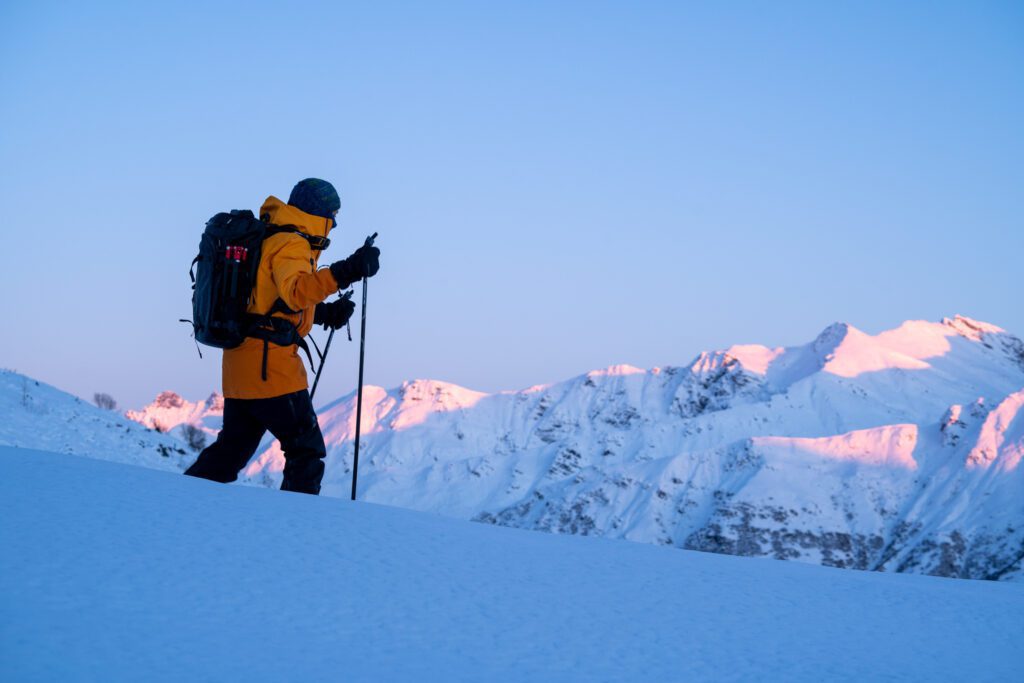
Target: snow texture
<point>115,573</point>
<point>37,415</point>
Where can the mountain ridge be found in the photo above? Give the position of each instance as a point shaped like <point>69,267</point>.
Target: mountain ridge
<point>835,452</point>
<point>897,452</point>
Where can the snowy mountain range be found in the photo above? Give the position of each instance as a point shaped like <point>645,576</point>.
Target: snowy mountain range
<point>169,412</point>
<point>896,452</point>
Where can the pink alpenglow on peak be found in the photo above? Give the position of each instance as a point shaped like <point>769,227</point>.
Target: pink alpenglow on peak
<point>422,398</point>
<point>971,328</point>
<point>169,411</point>
<point>914,345</point>
<point>845,351</point>
<point>442,395</point>
<point>1000,443</point>
<point>858,353</point>
<point>616,371</point>
<point>752,357</point>
<point>890,446</point>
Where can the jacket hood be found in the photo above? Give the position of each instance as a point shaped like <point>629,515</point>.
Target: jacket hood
<point>279,213</point>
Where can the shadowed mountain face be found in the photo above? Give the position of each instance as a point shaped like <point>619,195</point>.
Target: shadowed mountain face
<point>897,452</point>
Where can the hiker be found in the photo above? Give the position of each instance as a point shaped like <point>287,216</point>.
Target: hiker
<point>264,381</point>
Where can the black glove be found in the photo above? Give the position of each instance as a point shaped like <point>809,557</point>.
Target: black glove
<point>334,314</point>
<point>365,262</point>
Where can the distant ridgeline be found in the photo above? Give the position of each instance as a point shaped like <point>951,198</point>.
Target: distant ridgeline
<point>895,452</point>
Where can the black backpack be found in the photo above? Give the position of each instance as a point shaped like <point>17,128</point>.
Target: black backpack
<point>223,277</point>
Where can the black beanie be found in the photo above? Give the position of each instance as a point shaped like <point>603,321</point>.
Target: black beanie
<point>316,197</point>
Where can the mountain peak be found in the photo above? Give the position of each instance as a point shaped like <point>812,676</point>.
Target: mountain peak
<point>621,370</point>
<point>848,352</point>
<point>169,410</point>
<point>831,337</point>
<point>444,395</point>
<point>168,399</point>
<point>971,328</point>
<point>749,359</point>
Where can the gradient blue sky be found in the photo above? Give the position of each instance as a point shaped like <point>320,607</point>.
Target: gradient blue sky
<point>558,186</point>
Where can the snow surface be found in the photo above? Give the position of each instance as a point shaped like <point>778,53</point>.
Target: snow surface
<point>117,573</point>
<point>37,415</point>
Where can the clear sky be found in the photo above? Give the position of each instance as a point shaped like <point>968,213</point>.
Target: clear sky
<point>558,187</point>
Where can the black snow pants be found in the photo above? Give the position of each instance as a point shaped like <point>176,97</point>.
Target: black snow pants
<point>290,418</point>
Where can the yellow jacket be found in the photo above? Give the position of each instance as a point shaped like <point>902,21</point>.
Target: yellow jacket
<point>287,270</point>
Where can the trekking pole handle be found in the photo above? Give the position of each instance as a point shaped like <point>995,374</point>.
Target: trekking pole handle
<point>370,240</point>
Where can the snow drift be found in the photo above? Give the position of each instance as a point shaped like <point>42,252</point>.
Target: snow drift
<point>114,573</point>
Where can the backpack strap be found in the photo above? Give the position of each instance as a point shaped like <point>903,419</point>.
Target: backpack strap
<point>263,367</point>
<point>273,330</point>
<point>280,306</point>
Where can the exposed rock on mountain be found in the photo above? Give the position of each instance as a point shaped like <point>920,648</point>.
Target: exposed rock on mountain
<point>855,450</point>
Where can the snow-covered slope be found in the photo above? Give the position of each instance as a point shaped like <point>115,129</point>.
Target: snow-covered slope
<point>113,573</point>
<point>37,415</point>
<point>898,451</point>
<point>169,412</point>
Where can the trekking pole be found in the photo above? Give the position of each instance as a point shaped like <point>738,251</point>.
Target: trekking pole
<point>327,347</point>
<point>359,395</point>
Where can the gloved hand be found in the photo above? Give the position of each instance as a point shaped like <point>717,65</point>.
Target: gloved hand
<point>333,314</point>
<point>364,262</point>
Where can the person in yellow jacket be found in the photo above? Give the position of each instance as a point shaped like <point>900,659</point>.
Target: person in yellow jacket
<point>264,379</point>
